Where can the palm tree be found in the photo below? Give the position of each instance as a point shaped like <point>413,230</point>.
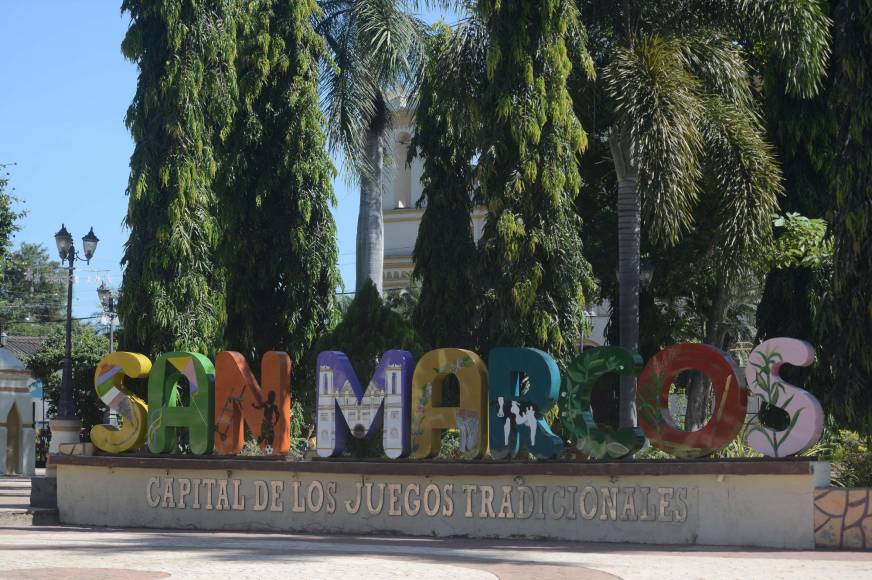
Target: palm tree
<point>374,47</point>
<point>683,123</point>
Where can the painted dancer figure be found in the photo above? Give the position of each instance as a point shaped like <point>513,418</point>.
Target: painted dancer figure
<point>270,420</point>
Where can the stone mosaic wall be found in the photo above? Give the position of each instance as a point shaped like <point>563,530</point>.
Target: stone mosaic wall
<point>843,518</point>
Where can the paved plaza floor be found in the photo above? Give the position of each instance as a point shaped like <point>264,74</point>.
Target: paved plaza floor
<point>95,554</point>
<point>72,553</point>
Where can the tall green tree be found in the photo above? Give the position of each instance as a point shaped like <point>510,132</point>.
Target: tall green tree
<point>374,48</point>
<point>279,241</point>
<point>847,316</point>
<point>447,123</point>
<point>534,277</point>
<point>8,226</point>
<point>8,215</point>
<point>802,131</point>
<point>46,364</point>
<point>180,115</point>
<point>821,143</point>
<point>33,293</point>
<point>682,123</point>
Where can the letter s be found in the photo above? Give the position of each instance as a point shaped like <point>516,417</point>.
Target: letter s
<point>109,384</point>
<point>806,417</point>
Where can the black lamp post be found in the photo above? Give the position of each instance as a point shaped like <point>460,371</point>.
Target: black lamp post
<point>67,253</point>
<point>107,300</point>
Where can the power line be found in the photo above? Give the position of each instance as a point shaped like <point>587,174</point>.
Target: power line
<point>8,322</point>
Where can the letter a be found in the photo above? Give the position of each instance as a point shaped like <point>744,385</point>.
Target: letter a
<point>166,414</point>
<point>431,418</point>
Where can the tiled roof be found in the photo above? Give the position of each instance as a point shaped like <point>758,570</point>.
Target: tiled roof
<point>24,346</point>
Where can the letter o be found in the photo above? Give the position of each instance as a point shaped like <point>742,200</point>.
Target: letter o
<point>315,486</point>
<point>432,490</point>
<point>730,400</point>
<point>587,514</point>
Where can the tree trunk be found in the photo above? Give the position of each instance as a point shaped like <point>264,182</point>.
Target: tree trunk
<point>629,241</point>
<point>699,390</point>
<point>370,220</point>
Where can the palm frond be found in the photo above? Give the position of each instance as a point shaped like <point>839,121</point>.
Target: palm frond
<point>797,33</point>
<point>660,106</point>
<point>374,47</point>
<point>718,63</point>
<point>741,166</point>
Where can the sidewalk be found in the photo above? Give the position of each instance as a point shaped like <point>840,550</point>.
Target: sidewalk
<point>96,554</point>
<point>50,552</point>
<point>15,507</point>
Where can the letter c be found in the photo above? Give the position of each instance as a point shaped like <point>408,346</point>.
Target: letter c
<point>149,498</point>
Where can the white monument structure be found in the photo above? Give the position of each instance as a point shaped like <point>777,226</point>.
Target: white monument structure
<point>401,194</point>
<point>17,441</point>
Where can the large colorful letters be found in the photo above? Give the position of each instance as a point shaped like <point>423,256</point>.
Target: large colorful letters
<point>109,383</point>
<point>730,400</point>
<point>498,412</point>
<point>430,418</point>
<point>173,374</point>
<point>266,410</point>
<point>385,402</point>
<point>592,439</point>
<point>805,421</point>
<point>517,413</point>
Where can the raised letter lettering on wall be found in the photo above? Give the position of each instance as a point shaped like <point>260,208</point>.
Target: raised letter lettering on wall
<point>517,415</point>
<point>174,373</point>
<point>386,402</point>
<point>805,417</point>
<point>589,437</point>
<point>728,388</point>
<point>266,410</point>
<point>109,384</point>
<point>430,419</point>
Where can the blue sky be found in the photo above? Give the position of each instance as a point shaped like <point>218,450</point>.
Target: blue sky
<point>64,91</point>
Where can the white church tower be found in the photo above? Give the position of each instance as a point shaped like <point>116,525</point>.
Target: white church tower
<point>326,408</point>
<point>393,415</point>
<point>401,194</point>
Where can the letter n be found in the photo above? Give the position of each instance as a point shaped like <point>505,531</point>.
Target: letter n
<point>266,410</point>
<point>385,403</point>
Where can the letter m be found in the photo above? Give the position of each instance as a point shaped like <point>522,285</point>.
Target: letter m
<point>342,402</point>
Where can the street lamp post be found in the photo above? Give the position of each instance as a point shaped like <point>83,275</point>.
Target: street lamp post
<point>66,425</point>
<point>107,300</point>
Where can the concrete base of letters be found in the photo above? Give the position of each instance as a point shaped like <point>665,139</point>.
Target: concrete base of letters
<point>724,503</point>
